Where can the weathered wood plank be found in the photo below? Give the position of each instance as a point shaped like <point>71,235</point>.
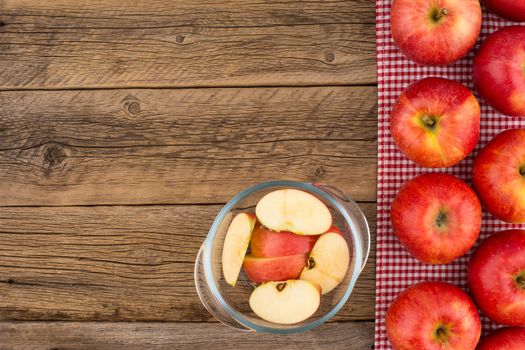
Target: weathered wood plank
<point>183,145</point>
<point>130,336</point>
<point>163,43</point>
<point>117,263</point>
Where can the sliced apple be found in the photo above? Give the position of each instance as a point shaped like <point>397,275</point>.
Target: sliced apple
<point>280,268</point>
<point>235,245</point>
<point>295,211</point>
<point>266,243</point>
<point>328,262</point>
<point>286,302</point>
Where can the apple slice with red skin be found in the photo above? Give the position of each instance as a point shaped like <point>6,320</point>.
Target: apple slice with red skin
<point>435,122</point>
<point>328,262</point>
<point>498,174</point>
<point>499,70</point>
<point>285,302</point>
<point>435,32</point>
<point>281,268</point>
<point>266,243</point>
<point>507,338</point>
<point>437,217</point>
<point>496,277</point>
<point>235,246</point>
<point>295,211</point>
<point>431,316</point>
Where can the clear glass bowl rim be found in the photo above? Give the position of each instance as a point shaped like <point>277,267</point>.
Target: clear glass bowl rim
<point>309,187</point>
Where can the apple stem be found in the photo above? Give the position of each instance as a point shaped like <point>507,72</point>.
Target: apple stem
<point>429,121</point>
<point>522,170</point>
<point>281,286</point>
<point>440,14</point>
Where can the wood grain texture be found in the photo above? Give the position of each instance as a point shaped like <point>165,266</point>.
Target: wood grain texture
<point>131,336</point>
<point>184,145</point>
<point>164,43</point>
<point>118,263</point>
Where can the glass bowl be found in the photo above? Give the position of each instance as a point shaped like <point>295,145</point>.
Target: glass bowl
<point>230,304</point>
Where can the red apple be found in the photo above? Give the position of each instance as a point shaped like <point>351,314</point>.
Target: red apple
<point>435,122</point>
<point>499,70</point>
<point>433,316</point>
<point>509,9</point>
<point>496,277</point>
<point>435,32</point>
<point>437,217</point>
<point>266,243</point>
<point>281,268</point>
<point>509,338</point>
<point>499,176</point>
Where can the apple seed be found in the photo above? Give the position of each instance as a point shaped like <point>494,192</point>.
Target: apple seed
<point>311,263</point>
<point>280,287</point>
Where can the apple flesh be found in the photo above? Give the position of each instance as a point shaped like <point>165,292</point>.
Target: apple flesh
<point>235,245</point>
<point>285,302</point>
<point>499,176</point>
<point>267,243</point>
<point>437,217</point>
<point>436,122</point>
<point>499,70</point>
<point>435,32</point>
<point>328,262</point>
<point>282,268</point>
<point>496,277</point>
<point>513,10</point>
<point>433,315</point>
<point>508,338</point>
<point>295,211</point>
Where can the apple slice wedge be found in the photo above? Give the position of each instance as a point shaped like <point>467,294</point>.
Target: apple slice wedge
<point>281,268</point>
<point>285,302</point>
<point>266,243</point>
<point>235,245</point>
<point>295,211</point>
<point>328,262</point>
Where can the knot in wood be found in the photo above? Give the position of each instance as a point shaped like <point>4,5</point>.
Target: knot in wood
<point>54,155</point>
<point>133,108</point>
<point>319,172</point>
<point>329,57</point>
<point>180,38</point>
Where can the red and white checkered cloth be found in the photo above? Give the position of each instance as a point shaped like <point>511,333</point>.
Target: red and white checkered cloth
<point>396,269</point>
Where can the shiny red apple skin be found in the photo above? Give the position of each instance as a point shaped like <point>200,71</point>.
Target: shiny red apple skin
<point>496,277</point>
<point>508,338</point>
<point>499,70</point>
<point>282,268</point>
<point>436,122</point>
<point>427,41</point>
<point>437,217</point>
<point>498,174</point>
<point>267,243</point>
<point>414,317</point>
<point>513,10</point>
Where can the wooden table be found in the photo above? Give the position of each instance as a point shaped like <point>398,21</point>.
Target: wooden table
<point>126,124</point>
